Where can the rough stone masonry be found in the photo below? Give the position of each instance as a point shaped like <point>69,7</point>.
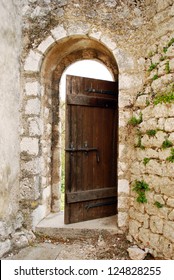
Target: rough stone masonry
<point>40,39</point>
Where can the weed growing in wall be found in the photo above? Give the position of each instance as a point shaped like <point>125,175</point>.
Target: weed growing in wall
<point>146,160</point>
<point>171,157</point>
<point>171,42</point>
<point>139,144</point>
<point>140,187</point>
<point>164,98</point>
<point>134,121</point>
<point>167,144</point>
<point>158,204</point>
<point>152,67</point>
<point>167,67</point>
<point>155,77</point>
<point>151,132</point>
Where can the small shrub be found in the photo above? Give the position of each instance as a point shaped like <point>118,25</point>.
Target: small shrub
<point>147,102</point>
<point>140,187</point>
<point>146,160</point>
<point>151,132</point>
<point>167,144</point>
<point>171,157</point>
<point>162,58</point>
<point>135,121</point>
<point>158,204</point>
<point>171,42</point>
<point>165,49</point>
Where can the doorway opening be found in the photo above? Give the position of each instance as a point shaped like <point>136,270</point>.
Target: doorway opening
<point>83,68</point>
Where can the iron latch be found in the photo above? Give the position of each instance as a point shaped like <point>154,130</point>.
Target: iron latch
<point>85,150</point>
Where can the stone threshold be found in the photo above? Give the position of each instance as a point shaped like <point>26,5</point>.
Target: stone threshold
<point>54,227</point>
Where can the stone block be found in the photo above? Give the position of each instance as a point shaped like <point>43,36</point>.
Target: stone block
<point>78,28</point>
<point>136,253</point>
<point>171,64</point>
<point>141,101</point>
<point>122,219</point>
<point>32,88</point>
<point>18,221</point>
<point>168,230</point>
<point>34,126</point>
<point>140,217</point>
<point>154,240</point>
<point>123,186</point>
<point>19,240</point>
<point>134,228</point>
<point>125,61</point>
<point>168,126</point>
<point>3,231</point>
<point>165,247</point>
<point>31,166</point>
<point>59,32</point>
<point>46,44</point>
<point>33,62</point>
<point>30,188</point>
<point>30,146</point>
<point>156,224</point>
<point>170,202</point>
<point>130,81</point>
<point>148,124</point>
<point>144,236</point>
<point>5,247</point>
<point>109,42</point>
<point>171,215</point>
<point>170,52</point>
<point>95,33</point>
<point>123,202</point>
<point>39,213</point>
<point>32,107</point>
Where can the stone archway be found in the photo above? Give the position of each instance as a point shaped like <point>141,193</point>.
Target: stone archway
<point>40,144</point>
<point>70,50</point>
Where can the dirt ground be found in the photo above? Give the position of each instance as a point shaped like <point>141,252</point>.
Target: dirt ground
<point>101,248</point>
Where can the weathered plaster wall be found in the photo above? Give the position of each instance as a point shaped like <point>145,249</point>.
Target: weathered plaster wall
<point>10,45</point>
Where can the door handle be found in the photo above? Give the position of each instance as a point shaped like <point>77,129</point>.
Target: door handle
<point>86,150</point>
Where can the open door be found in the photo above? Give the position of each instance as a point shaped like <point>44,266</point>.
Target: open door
<point>91,149</point>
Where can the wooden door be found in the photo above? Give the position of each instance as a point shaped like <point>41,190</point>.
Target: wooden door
<point>91,149</point>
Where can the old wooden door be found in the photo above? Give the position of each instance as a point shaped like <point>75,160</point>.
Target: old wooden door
<point>91,149</point>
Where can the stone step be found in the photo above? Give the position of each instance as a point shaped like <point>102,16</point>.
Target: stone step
<point>53,226</point>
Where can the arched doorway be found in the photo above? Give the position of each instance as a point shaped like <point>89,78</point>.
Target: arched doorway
<point>63,54</point>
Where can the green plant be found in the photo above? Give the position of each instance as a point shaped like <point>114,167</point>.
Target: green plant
<point>135,121</point>
<point>167,67</point>
<point>167,144</point>
<point>158,204</point>
<point>164,98</point>
<point>146,160</point>
<point>152,67</point>
<point>162,58</point>
<point>171,157</point>
<point>140,187</point>
<point>151,132</point>
<point>155,77</point>
<point>165,49</point>
<point>170,42</point>
<point>168,45</point>
<point>147,102</point>
<point>139,144</point>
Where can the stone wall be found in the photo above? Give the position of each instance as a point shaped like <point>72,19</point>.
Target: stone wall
<point>117,30</point>
<point>128,36</point>
<point>151,212</point>
<point>11,218</point>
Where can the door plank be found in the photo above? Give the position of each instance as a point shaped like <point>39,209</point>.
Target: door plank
<point>80,196</point>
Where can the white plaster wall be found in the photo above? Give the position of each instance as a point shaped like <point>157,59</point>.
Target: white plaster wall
<point>10,41</point>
